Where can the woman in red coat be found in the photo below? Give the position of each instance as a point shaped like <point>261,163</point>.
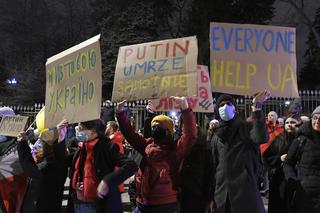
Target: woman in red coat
<point>162,156</point>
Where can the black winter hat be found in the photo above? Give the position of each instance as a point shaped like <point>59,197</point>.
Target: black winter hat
<point>225,97</point>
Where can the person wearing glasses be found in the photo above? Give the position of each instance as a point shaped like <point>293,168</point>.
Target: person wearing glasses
<point>235,147</point>
<point>274,156</point>
<point>302,166</point>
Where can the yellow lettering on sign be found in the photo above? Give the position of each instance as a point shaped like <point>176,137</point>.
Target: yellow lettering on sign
<point>284,76</point>
<point>230,73</point>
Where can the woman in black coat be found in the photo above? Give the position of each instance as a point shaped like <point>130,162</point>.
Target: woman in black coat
<point>274,157</point>
<point>302,166</point>
<point>46,177</point>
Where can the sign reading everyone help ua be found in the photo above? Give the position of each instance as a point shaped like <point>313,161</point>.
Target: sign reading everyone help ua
<point>249,58</point>
<point>157,69</point>
<point>73,84</point>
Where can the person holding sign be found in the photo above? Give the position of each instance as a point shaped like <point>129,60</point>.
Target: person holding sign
<point>44,162</point>
<point>235,147</point>
<point>13,181</point>
<point>162,157</point>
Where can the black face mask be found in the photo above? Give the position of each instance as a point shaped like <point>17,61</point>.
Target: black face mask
<point>158,133</point>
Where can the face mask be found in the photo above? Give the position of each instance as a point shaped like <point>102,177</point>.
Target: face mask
<point>81,136</point>
<point>158,133</point>
<point>226,112</point>
<point>3,138</point>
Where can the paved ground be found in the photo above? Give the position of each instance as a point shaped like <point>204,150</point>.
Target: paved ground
<point>125,198</point>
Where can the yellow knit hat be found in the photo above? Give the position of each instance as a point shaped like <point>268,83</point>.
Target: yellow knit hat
<point>163,119</point>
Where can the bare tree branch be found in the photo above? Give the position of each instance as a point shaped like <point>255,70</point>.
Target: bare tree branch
<point>306,19</point>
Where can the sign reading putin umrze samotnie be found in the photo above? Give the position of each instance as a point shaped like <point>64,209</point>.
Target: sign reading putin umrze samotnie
<point>157,69</point>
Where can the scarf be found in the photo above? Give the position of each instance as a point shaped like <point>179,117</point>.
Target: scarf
<point>154,153</point>
<point>229,129</point>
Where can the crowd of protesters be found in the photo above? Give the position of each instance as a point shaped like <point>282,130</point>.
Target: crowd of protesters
<point>172,166</point>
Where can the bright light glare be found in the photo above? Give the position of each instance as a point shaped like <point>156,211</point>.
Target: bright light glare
<point>12,81</point>
<point>173,114</point>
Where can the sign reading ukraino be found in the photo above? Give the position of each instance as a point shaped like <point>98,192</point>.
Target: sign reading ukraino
<point>157,69</point>
<point>203,102</point>
<point>73,84</point>
<point>249,58</point>
<point>12,125</point>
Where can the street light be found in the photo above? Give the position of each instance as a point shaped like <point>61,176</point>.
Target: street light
<point>12,81</point>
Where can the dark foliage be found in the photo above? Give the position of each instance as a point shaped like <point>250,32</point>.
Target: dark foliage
<point>32,31</point>
<point>310,75</point>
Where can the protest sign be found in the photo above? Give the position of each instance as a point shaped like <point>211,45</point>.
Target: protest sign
<point>249,58</point>
<point>73,84</point>
<point>12,125</point>
<point>156,70</point>
<point>203,102</point>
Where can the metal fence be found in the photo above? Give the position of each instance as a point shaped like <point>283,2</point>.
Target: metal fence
<point>309,101</point>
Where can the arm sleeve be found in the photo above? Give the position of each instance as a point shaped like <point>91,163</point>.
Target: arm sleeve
<point>215,161</point>
<point>59,150</point>
<point>291,161</point>
<point>258,132</point>
<point>138,142</point>
<point>126,166</point>
<point>26,160</point>
<point>209,176</point>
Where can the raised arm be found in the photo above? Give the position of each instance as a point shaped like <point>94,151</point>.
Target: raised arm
<point>189,133</point>
<point>137,141</point>
<point>259,133</point>
<point>25,157</point>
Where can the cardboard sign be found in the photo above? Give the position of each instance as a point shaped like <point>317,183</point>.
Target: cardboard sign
<point>156,70</point>
<point>12,125</point>
<point>246,59</point>
<point>73,84</point>
<point>203,102</point>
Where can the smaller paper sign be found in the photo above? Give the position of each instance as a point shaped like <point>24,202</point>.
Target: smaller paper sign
<point>12,125</point>
<point>203,102</point>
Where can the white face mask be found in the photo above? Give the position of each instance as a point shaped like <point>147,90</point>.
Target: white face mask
<point>226,112</point>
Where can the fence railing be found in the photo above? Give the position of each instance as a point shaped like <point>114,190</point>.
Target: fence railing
<point>309,101</point>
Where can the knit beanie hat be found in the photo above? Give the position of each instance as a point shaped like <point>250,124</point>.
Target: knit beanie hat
<point>6,111</point>
<point>214,122</point>
<point>225,97</point>
<point>163,119</point>
<point>316,111</point>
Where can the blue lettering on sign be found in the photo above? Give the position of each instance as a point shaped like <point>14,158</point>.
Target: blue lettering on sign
<point>245,39</point>
<point>214,38</point>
